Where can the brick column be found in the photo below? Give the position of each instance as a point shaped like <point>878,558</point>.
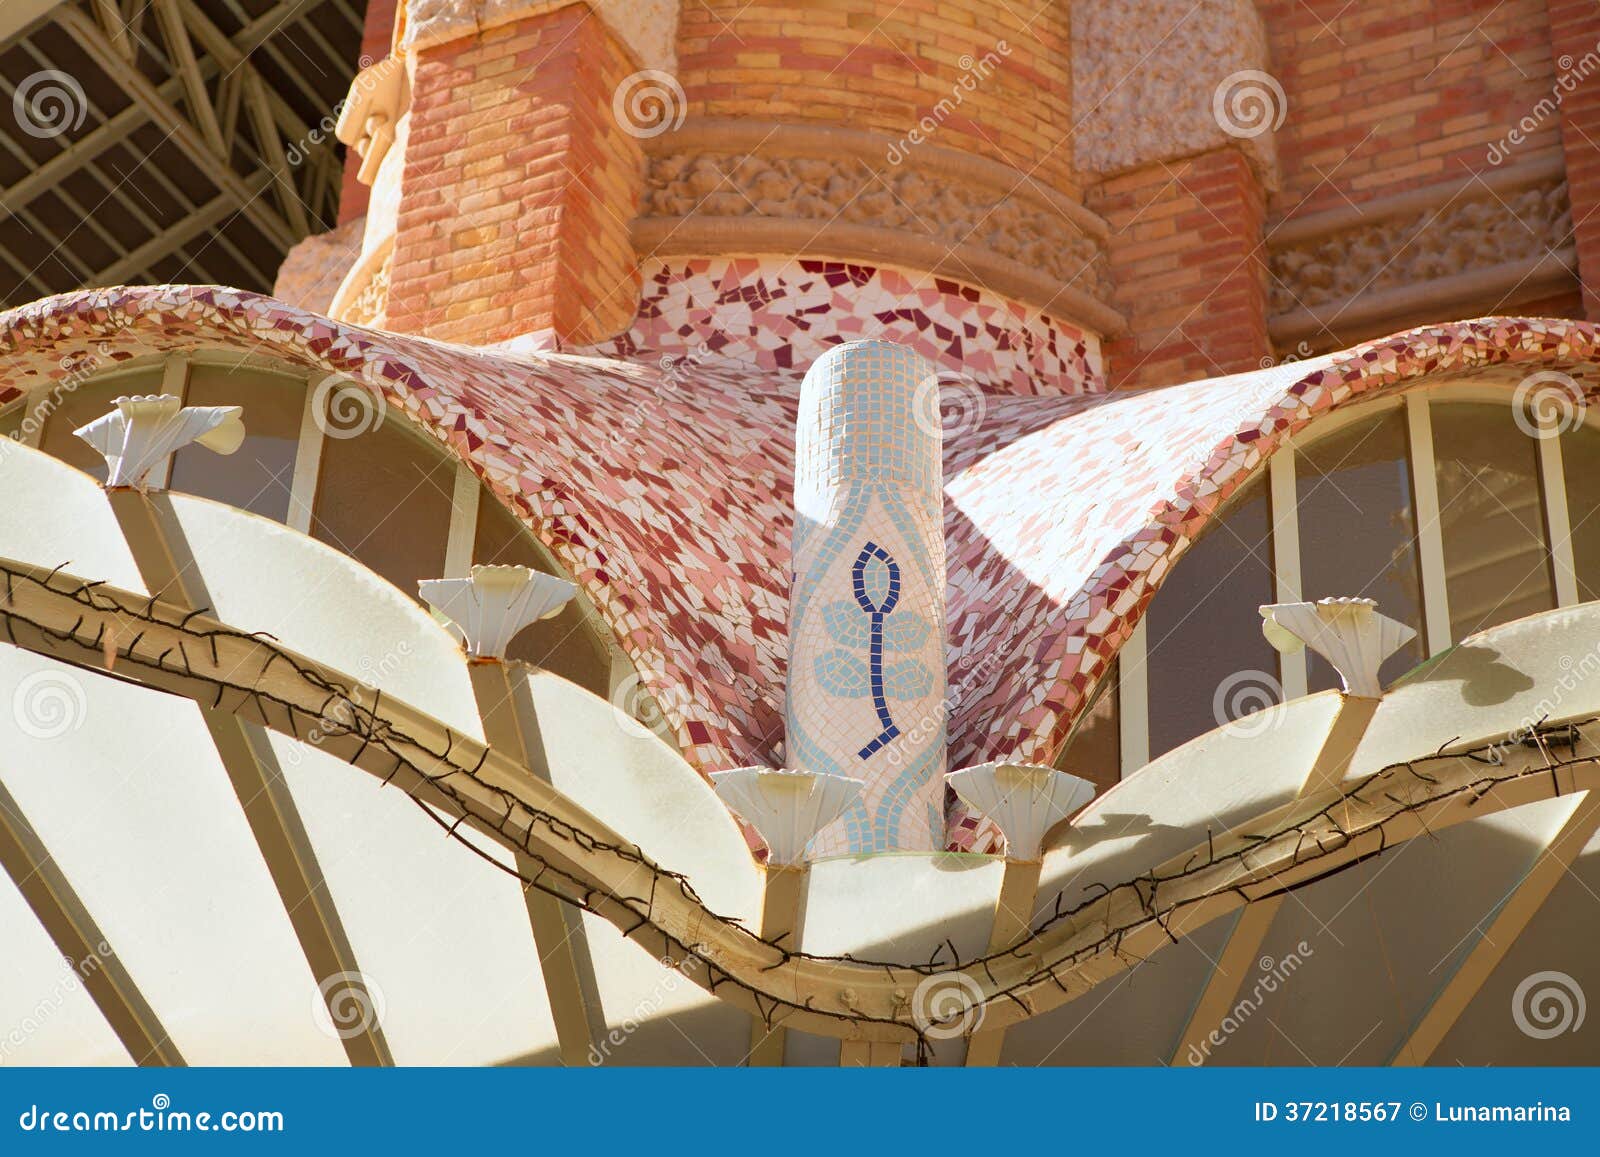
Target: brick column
<point>519,185</point>
<point>1189,267</point>
<point>1575,40</point>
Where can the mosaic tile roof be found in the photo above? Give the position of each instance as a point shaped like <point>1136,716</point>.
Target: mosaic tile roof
<point>663,485</point>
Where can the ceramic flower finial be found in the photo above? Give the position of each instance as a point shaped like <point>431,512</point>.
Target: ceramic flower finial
<point>786,807</point>
<point>495,603</point>
<point>137,436</point>
<point>1349,633</point>
<point>1025,800</point>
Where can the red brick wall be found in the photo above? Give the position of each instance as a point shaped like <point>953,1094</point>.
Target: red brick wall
<point>1575,45</point>
<point>376,36</point>
<point>1390,95</point>
<point>872,65</point>
<point>519,187</point>
<point>1187,257</point>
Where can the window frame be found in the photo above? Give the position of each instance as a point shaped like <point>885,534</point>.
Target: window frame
<point>1132,689</point>
<point>468,492</point>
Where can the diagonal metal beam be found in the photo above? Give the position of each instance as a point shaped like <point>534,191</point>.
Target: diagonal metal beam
<point>116,130</point>
<point>276,161</point>
<point>583,861</point>
<point>184,62</point>
<point>110,17</point>
<point>1516,912</point>
<point>168,242</point>
<point>182,134</point>
<point>1239,953</point>
<point>161,552</point>
<point>232,57</point>
<point>16,15</point>
<point>62,912</point>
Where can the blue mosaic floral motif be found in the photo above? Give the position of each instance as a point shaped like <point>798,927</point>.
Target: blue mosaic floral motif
<point>875,584</point>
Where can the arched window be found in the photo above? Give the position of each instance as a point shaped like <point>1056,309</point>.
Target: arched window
<point>1207,609</point>
<point>1450,508</point>
<point>321,455</point>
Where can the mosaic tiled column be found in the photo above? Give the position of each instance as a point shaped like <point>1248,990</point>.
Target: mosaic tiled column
<point>866,693</point>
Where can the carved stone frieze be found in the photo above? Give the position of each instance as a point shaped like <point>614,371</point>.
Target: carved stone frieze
<point>1476,228</point>
<point>847,189</point>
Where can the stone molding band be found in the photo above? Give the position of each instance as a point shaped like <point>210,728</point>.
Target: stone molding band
<point>1374,313</point>
<point>733,188</point>
<point>1487,242</point>
<point>648,28</point>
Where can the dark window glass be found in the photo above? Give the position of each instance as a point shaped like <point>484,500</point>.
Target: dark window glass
<point>257,476</point>
<point>1358,531</point>
<point>384,497</point>
<point>1496,561</point>
<point>1095,750</point>
<point>65,408</point>
<point>1580,462</point>
<point>1207,659</point>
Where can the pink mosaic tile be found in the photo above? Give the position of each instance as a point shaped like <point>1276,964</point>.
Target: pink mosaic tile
<point>782,313</point>
<point>663,483</point>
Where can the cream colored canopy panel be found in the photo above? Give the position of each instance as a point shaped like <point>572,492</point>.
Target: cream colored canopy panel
<point>626,777</point>
<point>441,935</point>
<point>261,576</point>
<point>132,803</point>
<point>325,605</point>
<point>1134,1018</point>
<point>1542,670</point>
<point>130,799</point>
<point>1555,954</point>
<point>1372,947</point>
<point>623,774</point>
<point>452,966</point>
<point>55,515</point>
<point>47,1017</point>
<point>910,906</point>
<point>1211,783</point>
